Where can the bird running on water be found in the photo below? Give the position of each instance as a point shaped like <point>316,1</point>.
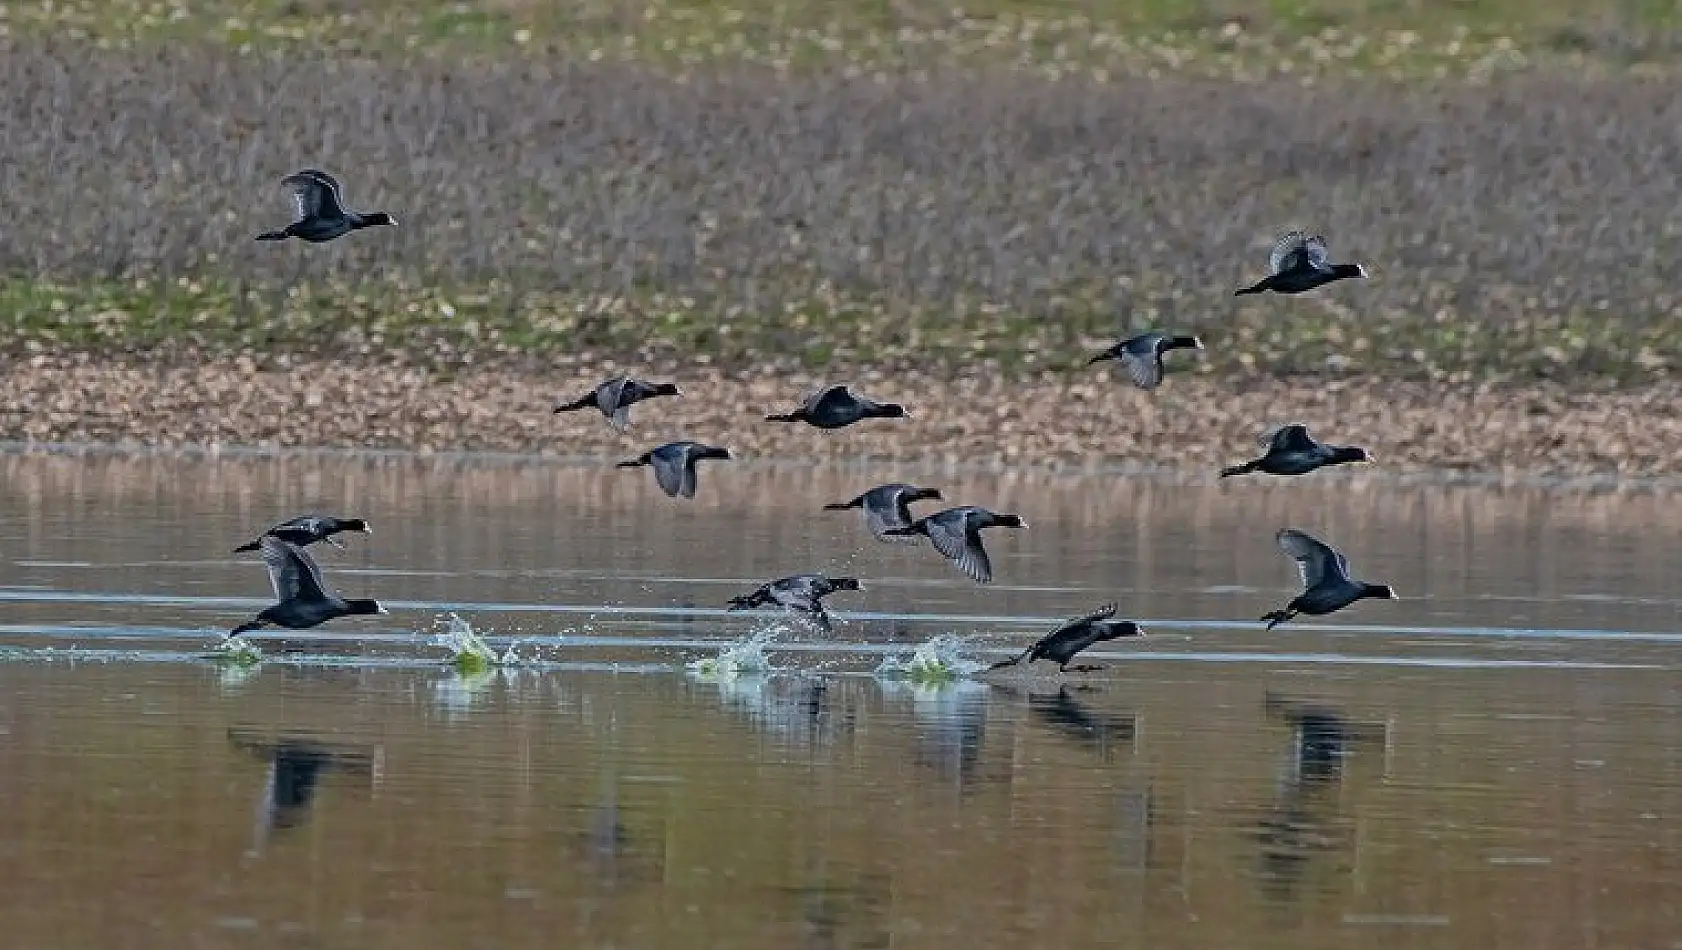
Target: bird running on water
<point>1061,645</point>
<point>302,599</point>
<point>800,593</point>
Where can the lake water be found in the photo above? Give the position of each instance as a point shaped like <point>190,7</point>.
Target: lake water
<point>1493,761</point>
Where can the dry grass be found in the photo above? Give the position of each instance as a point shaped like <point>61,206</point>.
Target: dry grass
<point>1521,228</point>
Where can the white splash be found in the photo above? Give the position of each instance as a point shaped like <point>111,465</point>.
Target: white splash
<point>744,657</point>
<point>239,651</point>
<point>938,660</point>
<point>469,653</point>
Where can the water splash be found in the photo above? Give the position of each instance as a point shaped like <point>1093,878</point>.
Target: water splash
<point>745,656</point>
<point>469,653</point>
<point>939,660</point>
<point>238,651</point>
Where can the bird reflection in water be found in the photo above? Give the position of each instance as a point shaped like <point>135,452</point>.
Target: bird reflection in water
<point>1103,731</point>
<point>1304,819</point>
<point>951,725</point>
<point>296,767</point>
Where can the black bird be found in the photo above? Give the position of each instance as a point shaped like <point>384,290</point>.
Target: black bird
<point>888,506</point>
<point>322,215</point>
<point>1142,355</point>
<point>835,406</point>
<point>615,396</point>
<point>302,599</point>
<point>1292,451</point>
<point>305,530</point>
<point>1062,644</point>
<point>956,534</point>
<point>674,465</point>
<point>1298,263</point>
<point>800,593</point>
<point>1325,579</point>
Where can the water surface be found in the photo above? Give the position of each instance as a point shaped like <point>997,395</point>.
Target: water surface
<point>1491,761</point>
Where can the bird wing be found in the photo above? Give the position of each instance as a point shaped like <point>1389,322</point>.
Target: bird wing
<point>1317,562</point>
<point>1289,252</point>
<point>293,574</point>
<point>1289,438</point>
<point>1319,257</point>
<point>314,194</point>
<point>610,399</point>
<point>884,508</point>
<point>674,470</point>
<point>1142,356</point>
<point>1102,613</point>
<point>828,395</point>
<point>955,538</point>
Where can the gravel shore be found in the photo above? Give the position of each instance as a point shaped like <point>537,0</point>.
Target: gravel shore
<point>1193,424</point>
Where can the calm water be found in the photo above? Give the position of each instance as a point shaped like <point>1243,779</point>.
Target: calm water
<point>1494,761</point>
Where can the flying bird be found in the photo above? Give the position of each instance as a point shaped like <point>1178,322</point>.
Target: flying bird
<point>1325,579</point>
<point>835,406</point>
<point>1142,355</point>
<point>1292,451</point>
<point>956,534</point>
<point>302,599</point>
<point>322,215</point>
<point>306,530</point>
<point>614,397</point>
<point>674,465</point>
<point>887,507</point>
<point>1298,263</point>
<point>801,593</point>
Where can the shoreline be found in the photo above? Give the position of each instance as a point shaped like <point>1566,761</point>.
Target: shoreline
<point>1077,424</point>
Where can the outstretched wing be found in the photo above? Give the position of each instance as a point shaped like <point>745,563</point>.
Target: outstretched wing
<point>1318,256</point>
<point>314,193</point>
<point>610,399</point>
<point>886,510</point>
<point>1316,561</point>
<point>1289,252</point>
<point>674,471</point>
<point>1102,613</point>
<point>829,395</point>
<point>293,574</point>
<point>1289,438</point>
<point>1143,359</point>
<point>954,538</point>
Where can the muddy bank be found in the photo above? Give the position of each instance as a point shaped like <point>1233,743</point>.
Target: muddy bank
<point>1193,423</point>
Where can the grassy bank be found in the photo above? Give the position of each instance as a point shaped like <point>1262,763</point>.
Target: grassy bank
<point>941,218</point>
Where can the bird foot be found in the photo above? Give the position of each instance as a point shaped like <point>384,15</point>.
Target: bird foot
<point>1082,668</point>
<point>1275,617</point>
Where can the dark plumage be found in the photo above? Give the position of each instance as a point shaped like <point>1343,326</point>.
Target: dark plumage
<point>1298,263</point>
<point>1142,355</point>
<point>800,593</point>
<point>302,598</point>
<point>305,530</point>
<point>888,506</point>
<point>322,215</point>
<point>1325,579</point>
<point>956,534</point>
<point>835,406</point>
<point>615,396</point>
<point>674,465</point>
<point>1292,451</point>
<point>1061,645</point>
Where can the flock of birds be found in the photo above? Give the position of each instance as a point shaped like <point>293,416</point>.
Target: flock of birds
<point>1298,262</point>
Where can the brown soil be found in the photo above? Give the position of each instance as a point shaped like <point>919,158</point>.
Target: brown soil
<point>1191,424</point>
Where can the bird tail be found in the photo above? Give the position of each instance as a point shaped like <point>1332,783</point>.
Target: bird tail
<point>246,627</point>
<point>1253,289</point>
<point>576,404</point>
<point>273,236</point>
<point>1101,357</point>
<point>786,417</point>
<point>248,546</point>
<point>1244,469</point>
<point>838,506</point>
<point>633,463</point>
<point>1275,617</point>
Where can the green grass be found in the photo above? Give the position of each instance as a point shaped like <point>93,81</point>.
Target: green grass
<point>1216,37</point>
<point>446,329</point>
